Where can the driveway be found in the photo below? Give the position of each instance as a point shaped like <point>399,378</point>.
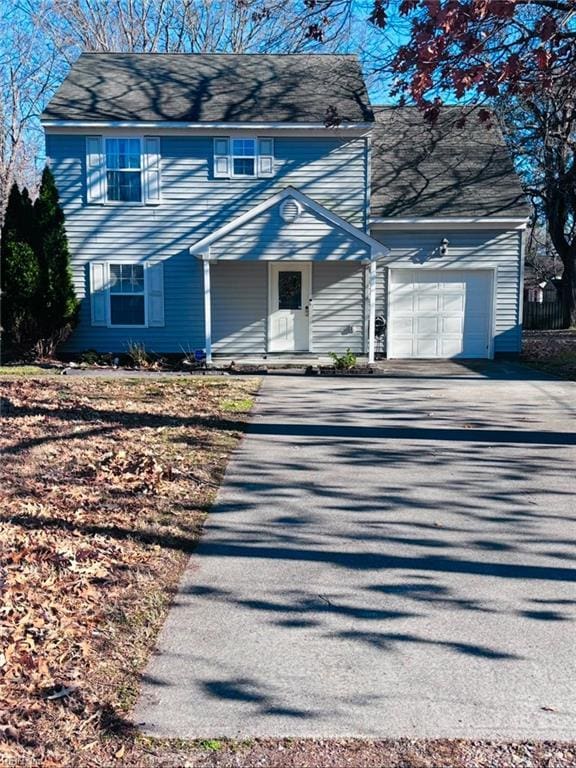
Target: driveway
<point>387,557</point>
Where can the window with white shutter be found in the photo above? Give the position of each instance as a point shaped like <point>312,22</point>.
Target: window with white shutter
<point>127,294</point>
<point>243,157</point>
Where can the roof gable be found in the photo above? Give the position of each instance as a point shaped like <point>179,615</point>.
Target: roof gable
<point>212,88</point>
<point>371,247</point>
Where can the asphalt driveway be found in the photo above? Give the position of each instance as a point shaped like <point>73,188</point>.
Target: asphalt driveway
<point>387,557</point>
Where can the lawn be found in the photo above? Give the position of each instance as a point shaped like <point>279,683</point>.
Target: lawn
<point>551,351</point>
<point>105,486</point>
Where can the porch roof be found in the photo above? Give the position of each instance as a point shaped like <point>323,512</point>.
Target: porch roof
<point>368,245</point>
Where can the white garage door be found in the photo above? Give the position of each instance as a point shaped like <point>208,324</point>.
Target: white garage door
<point>439,313</point>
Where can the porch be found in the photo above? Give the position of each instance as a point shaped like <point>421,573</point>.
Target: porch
<point>289,277</point>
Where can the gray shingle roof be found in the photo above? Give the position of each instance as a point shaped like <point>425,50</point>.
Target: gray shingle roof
<point>419,171</point>
<point>212,88</point>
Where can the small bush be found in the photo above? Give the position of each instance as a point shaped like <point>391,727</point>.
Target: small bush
<point>344,362</point>
<point>89,356</point>
<point>137,354</point>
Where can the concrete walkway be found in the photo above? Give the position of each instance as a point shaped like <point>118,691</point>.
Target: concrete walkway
<point>390,557</point>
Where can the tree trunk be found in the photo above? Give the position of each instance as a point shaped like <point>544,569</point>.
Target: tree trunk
<point>568,292</point>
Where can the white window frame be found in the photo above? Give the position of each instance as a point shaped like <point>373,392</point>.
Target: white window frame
<point>254,157</point>
<point>140,170</point>
<point>144,294</point>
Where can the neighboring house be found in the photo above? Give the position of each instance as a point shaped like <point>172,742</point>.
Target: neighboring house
<point>542,293</point>
<point>258,204</point>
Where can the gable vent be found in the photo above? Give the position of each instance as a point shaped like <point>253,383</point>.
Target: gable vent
<point>290,210</point>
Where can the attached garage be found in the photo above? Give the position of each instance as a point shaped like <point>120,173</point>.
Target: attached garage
<point>440,313</point>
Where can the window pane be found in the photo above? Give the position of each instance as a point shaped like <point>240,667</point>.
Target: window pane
<point>243,167</point>
<point>124,186</point>
<point>132,278</point>
<point>115,278</point>
<point>290,290</point>
<point>122,153</point>
<point>126,278</point>
<point>243,147</point>
<point>129,153</point>
<point>127,310</point>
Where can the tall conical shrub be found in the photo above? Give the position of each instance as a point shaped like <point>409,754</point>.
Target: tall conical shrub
<point>19,273</point>
<point>57,297</point>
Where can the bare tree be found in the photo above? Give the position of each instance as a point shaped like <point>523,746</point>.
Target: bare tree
<point>26,81</point>
<point>192,26</point>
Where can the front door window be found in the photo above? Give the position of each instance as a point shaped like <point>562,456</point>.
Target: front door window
<point>290,290</point>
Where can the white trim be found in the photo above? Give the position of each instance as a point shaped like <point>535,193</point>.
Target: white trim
<point>201,249</point>
<point>372,311</point>
<point>247,126</point>
<point>521,273</point>
<point>435,268</point>
<point>367,182</point>
<point>207,313</point>
<point>496,222</point>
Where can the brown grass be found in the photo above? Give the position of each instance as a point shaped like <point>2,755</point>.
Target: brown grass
<point>553,352</point>
<point>105,486</point>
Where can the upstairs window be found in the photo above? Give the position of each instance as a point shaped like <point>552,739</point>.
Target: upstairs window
<point>123,171</point>
<point>127,290</point>
<point>243,157</point>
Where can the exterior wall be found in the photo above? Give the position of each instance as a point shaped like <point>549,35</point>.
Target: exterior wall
<point>330,170</point>
<point>338,307</point>
<point>239,307</point>
<point>468,249</point>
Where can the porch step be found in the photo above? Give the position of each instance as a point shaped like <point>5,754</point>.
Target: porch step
<point>278,360</point>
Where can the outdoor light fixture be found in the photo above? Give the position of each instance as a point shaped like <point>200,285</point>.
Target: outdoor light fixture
<point>444,243</point>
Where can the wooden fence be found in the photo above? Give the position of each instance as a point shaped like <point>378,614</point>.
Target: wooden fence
<point>542,316</point>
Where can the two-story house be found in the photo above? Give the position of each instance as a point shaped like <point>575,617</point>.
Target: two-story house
<point>258,205</point>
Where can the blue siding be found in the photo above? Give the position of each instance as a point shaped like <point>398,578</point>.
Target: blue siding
<point>330,170</point>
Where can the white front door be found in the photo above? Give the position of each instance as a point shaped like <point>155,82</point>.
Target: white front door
<point>289,307</point>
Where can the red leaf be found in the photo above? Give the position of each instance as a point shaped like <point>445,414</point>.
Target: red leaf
<point>546,27</point>
<point>407,6</point>
<point>378,16</point>
<point>484,115</point>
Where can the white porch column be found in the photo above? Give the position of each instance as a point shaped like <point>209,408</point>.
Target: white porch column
<point>372,311</point>
<point>207,310</point>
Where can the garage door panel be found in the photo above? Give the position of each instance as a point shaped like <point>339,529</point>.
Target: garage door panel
<point>404,302</point>
<point>450,347</point>
<point>403,325</point>
<point>452,325</point>
<point>426,303</point>
<point>425,347</point>
<point>452,302</point>
<point>426,325</point>
<point>437,313</point>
